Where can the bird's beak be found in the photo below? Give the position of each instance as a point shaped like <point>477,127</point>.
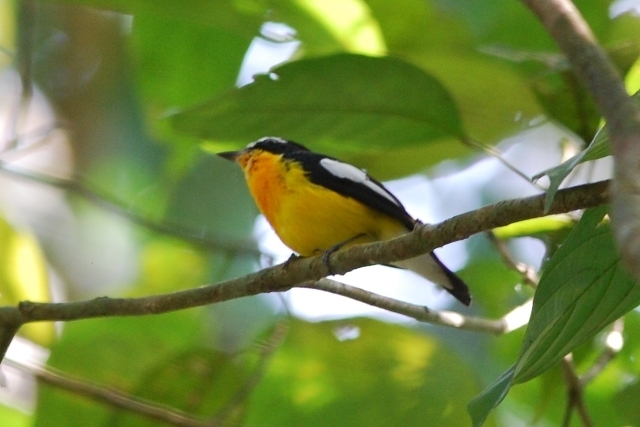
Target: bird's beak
<point>230,155</point>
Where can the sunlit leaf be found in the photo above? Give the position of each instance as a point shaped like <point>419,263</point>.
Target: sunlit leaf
<point>330,26</point>
<point>23,276</point>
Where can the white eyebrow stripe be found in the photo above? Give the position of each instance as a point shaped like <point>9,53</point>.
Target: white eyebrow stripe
<point>265,138</point>
<point>350,172</point>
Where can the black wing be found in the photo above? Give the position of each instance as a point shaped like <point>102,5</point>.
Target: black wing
<point>350,181</point>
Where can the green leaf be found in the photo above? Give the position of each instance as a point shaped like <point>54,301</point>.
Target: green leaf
<point>23,276</point>
<point>481,406</point>
<point>582,290</point>
<point>370,103</point>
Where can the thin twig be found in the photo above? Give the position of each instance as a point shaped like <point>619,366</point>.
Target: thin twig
<point>528,273</point>
<point>575,394</point>
<point>612,346</point>
<point>110,396</point>
<point>495,153</point>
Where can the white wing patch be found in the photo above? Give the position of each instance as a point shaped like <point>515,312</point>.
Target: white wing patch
<point>267,138</point>
<point>350,172</point>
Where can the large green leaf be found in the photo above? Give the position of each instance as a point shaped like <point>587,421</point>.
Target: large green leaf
<point>583,288</point>
<point>372,103</point>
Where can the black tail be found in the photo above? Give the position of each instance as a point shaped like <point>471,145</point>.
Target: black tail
<point>458,288</point>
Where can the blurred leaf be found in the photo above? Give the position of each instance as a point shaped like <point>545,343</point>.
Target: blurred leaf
<point>241,17</point>
<point>632,79</point>
<point>626,402</point>
<point>437,38</point>
<point>411,26</point>
<point>598,148</point>
<point>481,406</point>
<point>362,372</point>
<point>583,289</point>
<point>214,196</point>
<point>23,276</point>
<point>567,101</point>
<point>118,352</point>
<point>173,70</point>
<point>331,99</point>
<point>199,382</point>
<point>493,284</point>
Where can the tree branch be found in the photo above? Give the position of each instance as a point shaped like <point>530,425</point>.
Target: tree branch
<point>590,63</point>
<point>283,277</point>
<point>418,312</point>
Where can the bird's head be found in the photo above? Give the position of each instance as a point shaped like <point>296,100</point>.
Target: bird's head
<point>269,144</point>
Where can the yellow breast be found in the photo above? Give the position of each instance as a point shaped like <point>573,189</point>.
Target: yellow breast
<point>307,217</point>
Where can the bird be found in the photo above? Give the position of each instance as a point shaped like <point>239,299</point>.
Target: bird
<point>316,203</point>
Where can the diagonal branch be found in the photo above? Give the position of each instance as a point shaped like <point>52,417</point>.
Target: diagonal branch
<point>111,396</point>
<point>285,276</point>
